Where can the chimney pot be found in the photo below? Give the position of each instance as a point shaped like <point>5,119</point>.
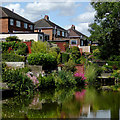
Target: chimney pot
<point>73,27</point>
<point>46,17</point>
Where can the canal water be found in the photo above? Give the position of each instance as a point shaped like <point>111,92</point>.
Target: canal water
<point>64,103</point>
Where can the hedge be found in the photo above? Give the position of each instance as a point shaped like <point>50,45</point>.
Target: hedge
<point>47,61</point>
<point>17,47</point>
<point>17,81</point>
<point>11,57</point>
<point>65,57</point>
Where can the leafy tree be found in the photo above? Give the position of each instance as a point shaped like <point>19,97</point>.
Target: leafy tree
<point>40,47</point>
<point>106,28</point>
<point>75,53</point>
<point>69,66</point>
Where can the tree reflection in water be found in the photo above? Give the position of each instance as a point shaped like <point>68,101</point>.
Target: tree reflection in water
<point>64,103</point>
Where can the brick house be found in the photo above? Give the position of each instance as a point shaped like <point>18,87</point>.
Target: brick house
<point>54,31</point>
<point>78,39</point>
<point>10,22</point>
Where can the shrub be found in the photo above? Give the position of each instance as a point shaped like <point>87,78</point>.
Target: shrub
<point>56,49</point>
<point>40,47</point>
<point>17,81</point>
<point>47,81</point>
<point>114,58</point>
<point>47,61</point>
<point>33,78</point>
<point>91,73</point>
<point>96,53</point>
<point>64,79</point>
<point>65,57</point>
<point>114,64</point>
<point>59,58</point>
<point>116,74</point>
<point>93,48</point>
<point>17,47</point>
<point>69,66</point>
<point>12,38</point>
<point>75,53</point>
<point>11,57</point>
<point>79,78</point>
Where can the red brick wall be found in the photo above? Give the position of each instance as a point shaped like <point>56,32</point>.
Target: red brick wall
<point>48,32</point>
<point>61,45</point>
<point>4,25</point>
<point>15,28</point>
<point>29,46</point>
<point>80,68</point>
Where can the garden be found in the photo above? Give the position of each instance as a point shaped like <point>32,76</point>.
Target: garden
<point>59,89</point>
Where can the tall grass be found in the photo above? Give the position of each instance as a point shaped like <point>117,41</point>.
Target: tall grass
<point>91,73</point>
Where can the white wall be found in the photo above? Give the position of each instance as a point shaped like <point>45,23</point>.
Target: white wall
<point>24,37</point>
<point>85,48</point>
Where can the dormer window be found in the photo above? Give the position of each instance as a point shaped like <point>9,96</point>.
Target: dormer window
<point>11,22</point>
<point>18,23</point>
<point>25,25</point>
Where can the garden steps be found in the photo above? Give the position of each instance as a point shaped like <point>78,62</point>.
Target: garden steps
<point>5,92</point>
<point>3,86</point>
<point>105,75</point>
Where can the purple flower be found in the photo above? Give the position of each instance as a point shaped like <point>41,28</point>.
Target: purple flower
<point>33,78</point>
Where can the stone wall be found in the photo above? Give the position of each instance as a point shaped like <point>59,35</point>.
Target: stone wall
<point>16,64</point>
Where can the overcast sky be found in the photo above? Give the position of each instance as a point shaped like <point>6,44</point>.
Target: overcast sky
<point>65,14</point>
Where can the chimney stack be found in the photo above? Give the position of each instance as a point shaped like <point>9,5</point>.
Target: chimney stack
<point>73,27</point>
<point>12,10</point>
<point>46,17</point>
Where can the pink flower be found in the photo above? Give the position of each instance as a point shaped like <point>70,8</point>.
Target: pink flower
<point>90,56</point>
<point>33,78</point>
<point>80,75</point>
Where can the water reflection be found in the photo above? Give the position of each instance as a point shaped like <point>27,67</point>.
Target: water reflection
<point>64,103</point>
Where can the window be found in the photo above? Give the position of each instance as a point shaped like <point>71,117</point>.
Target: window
<point>31,27</point>
<point>54,31</point>
<point>73,42</point>
<point>81,42</point>
<point>25,25</point>
<point>63,34</point>
<point>11,22</point>
<point>58,32</point>
<point>18,23</point>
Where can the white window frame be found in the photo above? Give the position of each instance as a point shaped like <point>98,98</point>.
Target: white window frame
<point>31,27</point>
<point>25,25</point>
<point>11,22</point>
<point>18,23</point>
<point>63,34</point>
<point>72,41</point>
<point>82,43</point>
<point>58,32</point>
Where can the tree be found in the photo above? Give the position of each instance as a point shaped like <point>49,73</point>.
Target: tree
<point>106,28</point>
<point>40,47</point>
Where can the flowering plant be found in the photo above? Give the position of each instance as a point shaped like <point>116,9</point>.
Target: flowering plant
<point>33,78</point>
<point>80,78</point>
<point>80,75</point>
<point>90,56</point>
